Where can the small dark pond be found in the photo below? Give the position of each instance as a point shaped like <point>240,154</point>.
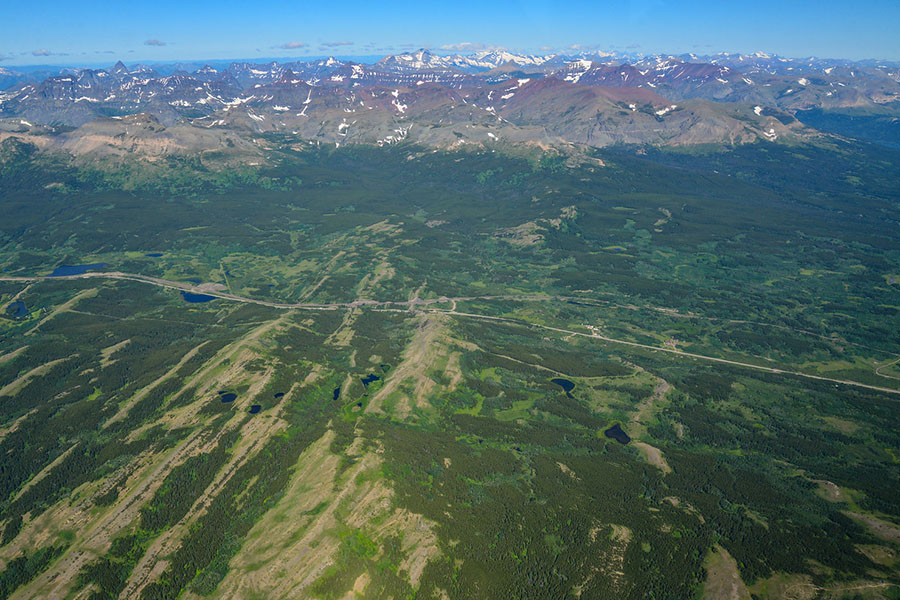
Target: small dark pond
<point>194,298</point>
<point>154,254</point>
<point>255,409</point>
<point>66,270</point>
<point>17,310</point>
<point>615,433</point>
<point>369,379</point>
<point>565,384</point>
<point>279,394</point>
<point>576,303</point>
<point>337,393</point>
<point>228,396</point>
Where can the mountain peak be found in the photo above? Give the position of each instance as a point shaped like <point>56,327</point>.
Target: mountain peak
<point>287,76</point>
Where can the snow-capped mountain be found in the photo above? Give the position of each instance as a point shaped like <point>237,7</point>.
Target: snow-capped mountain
<point>477,62</point>
<point>745,96</point>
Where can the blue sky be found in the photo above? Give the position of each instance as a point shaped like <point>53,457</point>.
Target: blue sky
<point>88,32</point>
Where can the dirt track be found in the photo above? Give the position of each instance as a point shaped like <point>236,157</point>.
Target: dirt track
<point>421,303</point>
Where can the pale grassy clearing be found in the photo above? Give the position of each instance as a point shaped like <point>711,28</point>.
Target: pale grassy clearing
<point>148,567</point>
<point>723,580</point>
<point>789,586</point>
<point>383,271</point>
<point>188,415</point>
<point>654,456</point>
<point>429,353</point>
<point>647,409</point>
<point>610,567</point>
<point>295,542</point>
<point>64,307</point>
<point>308,292</point>
<point>228,368</point>
<point>94,527</point>
<point>23,380</point>
<point>842,425</point>
<point>880,528</point>
<point>880,555</point>
<point>526,234</point>
<point>613,559</point>
<point>14,425</point>
<point>531,233</point>
<point>127,405</point>
<point>643,414</point>
<point>785,586</point>
<point>685,506</point>
<point>565,469</point>
<point>11,355</point>
<point>255,432</point>
<point>600,398</point>
<point>106,354</point>
<point>19,294</point>
<point>343,335</point>
<point>45,471</point>
<point>831,491</point>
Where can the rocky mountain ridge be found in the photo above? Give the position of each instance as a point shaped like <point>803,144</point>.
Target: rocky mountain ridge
<point>484,98</point>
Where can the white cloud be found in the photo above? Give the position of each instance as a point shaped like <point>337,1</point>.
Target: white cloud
<point>468,47</point>
<point>45,52</point>
<point>585,47</point>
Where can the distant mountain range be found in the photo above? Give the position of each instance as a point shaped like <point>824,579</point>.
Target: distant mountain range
<point>484,98</point>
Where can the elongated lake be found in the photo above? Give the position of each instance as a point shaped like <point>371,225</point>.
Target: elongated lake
<point>69,270</point>
<point>195,298</point>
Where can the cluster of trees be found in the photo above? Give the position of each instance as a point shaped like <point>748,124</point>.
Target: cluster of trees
<point>26,567</point>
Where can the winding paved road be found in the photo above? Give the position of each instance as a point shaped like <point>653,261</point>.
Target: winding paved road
<point>726,361</point>
<point>201,289</point>
<point>419,302</point>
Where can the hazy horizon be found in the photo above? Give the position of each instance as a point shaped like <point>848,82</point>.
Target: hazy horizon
<point>371,58</point>
<point>57,32</point>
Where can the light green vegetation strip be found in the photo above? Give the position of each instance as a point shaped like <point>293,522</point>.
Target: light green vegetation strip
<point>424,302</point>
<point>726,361</point>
